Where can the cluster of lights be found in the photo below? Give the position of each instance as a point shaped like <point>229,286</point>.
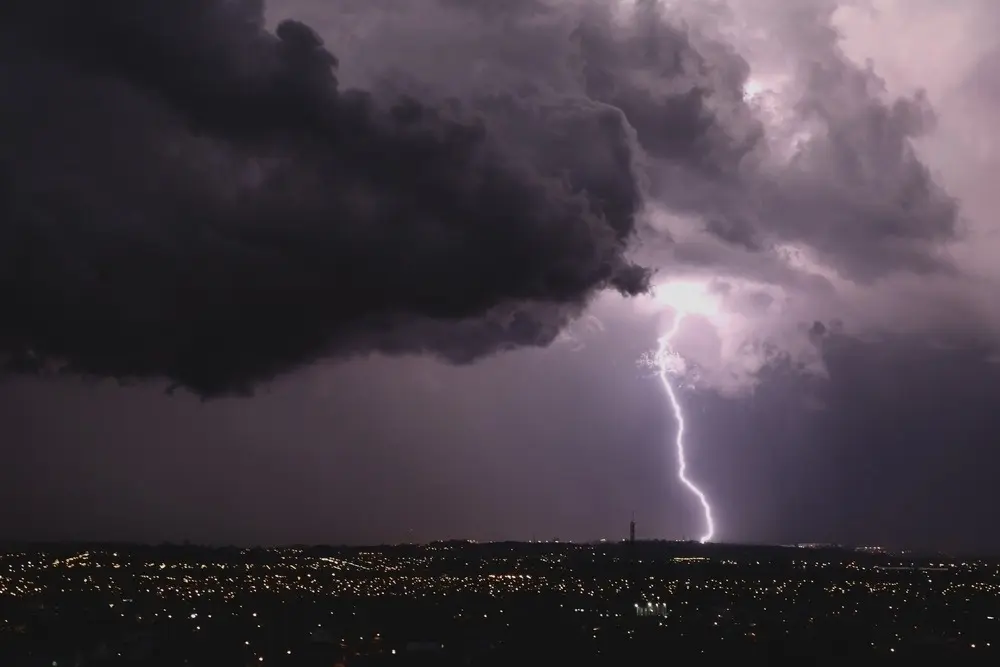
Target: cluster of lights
<point>812,591</point>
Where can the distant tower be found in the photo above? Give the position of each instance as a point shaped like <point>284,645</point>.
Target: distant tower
<point>632,597</point>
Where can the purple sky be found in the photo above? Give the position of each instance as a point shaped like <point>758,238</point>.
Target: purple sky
<point>452,350</point>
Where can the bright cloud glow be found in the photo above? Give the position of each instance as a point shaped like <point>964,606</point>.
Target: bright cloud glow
<point>689,297</point>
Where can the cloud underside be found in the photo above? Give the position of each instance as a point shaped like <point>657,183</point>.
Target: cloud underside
<point>188,195</point>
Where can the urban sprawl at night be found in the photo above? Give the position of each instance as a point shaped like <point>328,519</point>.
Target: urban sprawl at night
<point>485,603</point>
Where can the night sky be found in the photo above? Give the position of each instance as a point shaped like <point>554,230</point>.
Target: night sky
<point>365,271</point>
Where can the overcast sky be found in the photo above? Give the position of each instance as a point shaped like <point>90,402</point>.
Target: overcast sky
<point>422,311</point>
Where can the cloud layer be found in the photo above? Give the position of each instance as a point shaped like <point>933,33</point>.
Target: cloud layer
<point>188,195</point>
<point>780,172</point>
<point>191,192</point>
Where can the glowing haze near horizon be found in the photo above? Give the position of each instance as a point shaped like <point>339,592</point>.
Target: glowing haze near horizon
<point>811,183</point>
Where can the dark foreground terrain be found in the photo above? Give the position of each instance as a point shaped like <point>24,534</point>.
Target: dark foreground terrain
<point>487,604</point>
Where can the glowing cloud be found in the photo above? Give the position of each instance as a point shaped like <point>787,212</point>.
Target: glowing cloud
<point>688,297</point>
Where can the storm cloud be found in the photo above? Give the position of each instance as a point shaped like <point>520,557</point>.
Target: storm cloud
<point>188,195</point>
<point>754,200</point>
<point>191,192</point>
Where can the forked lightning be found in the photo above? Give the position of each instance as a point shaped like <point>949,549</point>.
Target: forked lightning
<point>662,357</point>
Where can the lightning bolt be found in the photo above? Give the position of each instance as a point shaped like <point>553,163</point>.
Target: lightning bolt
<point>663,354</point>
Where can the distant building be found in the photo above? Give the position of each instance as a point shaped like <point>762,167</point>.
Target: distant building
<point>651,609</point>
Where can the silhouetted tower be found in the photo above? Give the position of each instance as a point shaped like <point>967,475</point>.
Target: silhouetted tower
<point>632,597</point>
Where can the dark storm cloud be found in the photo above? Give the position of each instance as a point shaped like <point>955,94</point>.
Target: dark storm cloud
<point>891,444</point>
<point>683,104</point>
<point>832,168</point>
<point>186,195</point>
<point>851,188</point>
<point>857,192</point>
